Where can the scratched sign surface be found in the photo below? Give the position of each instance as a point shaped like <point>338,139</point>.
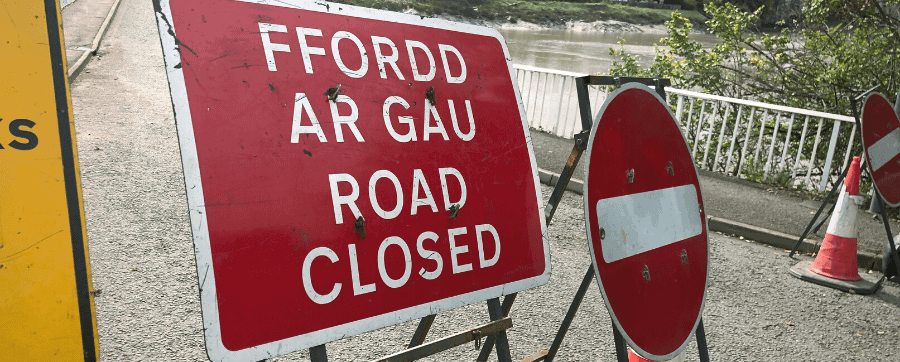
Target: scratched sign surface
<point>347,169</point>
<point>46,306</point>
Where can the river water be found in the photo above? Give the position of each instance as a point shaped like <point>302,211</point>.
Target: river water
<point>581,51</point>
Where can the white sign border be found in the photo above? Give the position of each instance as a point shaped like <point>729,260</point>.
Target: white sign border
<point>587,224</point>
<point>194,188</point>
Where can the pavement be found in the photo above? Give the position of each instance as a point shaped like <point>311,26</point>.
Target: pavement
<point>145,277</point>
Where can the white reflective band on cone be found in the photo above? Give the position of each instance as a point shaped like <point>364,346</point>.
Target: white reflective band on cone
<point>843,222</point>
<point>681,357</point>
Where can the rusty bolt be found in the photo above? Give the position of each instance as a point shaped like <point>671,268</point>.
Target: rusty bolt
<point>670,169</point>
<point>684,259</point>
<point>332,93</point>
<point>454,211</point>
<point>646,273</point>
<point>476,335</point>
<point>429,95</point>
<point>602,234</point>
<point>630,175</point>
<point>360,227</point>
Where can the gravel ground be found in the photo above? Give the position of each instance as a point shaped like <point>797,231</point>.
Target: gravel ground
<point>148,302</point>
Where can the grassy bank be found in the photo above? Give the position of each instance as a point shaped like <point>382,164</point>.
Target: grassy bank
<point>550,13</point>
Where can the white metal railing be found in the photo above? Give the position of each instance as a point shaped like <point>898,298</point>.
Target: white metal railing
<point>735,128</point>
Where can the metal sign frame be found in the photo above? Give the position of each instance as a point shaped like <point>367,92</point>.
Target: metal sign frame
<point>580,146</point>
<point>172,46</point>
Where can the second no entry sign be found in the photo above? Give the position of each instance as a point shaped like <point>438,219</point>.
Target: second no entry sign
<point>881,140</point>
<point>645,222</point>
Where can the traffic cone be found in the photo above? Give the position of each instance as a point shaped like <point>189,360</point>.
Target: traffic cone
<point>634,357</point>
<point>837,256</point>
<point>835,265</point>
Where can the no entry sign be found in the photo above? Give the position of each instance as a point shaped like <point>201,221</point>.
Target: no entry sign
<point>645,222</point>
<point>881,140</point>
<point>346,169</point>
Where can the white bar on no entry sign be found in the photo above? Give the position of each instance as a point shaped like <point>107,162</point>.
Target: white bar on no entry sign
<point>885,149</point>
<point>642,222</point>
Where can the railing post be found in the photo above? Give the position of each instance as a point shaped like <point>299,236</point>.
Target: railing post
<point>679,108</point>
<point>787,142</point>
<point>529,107</point>
<point>800,148</point>
<point>721,136</point>
<point>769,162</point>
<point>849,147</point>
<point>812,157</point>
<point>734,134</point>
<point>699,128</point>
<point>762,131</point>
<point>687,124</point>
<point>826,174</point>
<point>746,141</point>
<point>709,133</point>
<point>558,126</point>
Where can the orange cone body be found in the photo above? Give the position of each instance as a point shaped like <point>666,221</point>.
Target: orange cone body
<point>634,357</point>
<point>837,256</point>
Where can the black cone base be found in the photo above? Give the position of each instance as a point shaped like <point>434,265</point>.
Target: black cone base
<point>862,286</point>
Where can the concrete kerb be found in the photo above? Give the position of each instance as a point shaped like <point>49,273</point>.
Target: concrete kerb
<point>770,237</point>
<point>76,68</point>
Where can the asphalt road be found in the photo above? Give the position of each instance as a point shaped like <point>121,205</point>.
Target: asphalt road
<point>148,301</point>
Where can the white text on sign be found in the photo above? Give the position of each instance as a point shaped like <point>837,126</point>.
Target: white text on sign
<point>378,44</point>
<point>386,57</point>
<point>401,125</point>
<point>453,236</point>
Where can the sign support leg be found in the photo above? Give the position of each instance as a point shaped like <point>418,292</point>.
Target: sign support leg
<point>318,354</point>
<point>699,334</point>
<point>702,349</point>
<point>621,347</point>
<point>422,330</point>
<point>496,312</point>
<point>890,236</point>
<point>491,340</point>
<point>570,314</point>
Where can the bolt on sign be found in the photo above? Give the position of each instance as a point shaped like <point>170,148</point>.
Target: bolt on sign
<point>645,222</point>
<point>881,138</point>
<point>46,309</point>
<point>346,169</point>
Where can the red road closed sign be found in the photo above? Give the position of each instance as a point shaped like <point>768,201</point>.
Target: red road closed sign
<point>881,140</point>
<point>346,169</point>
<point>645,222</point>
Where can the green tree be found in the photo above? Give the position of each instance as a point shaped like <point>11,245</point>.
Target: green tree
<point>838,49</point>
<point>835,50</point>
